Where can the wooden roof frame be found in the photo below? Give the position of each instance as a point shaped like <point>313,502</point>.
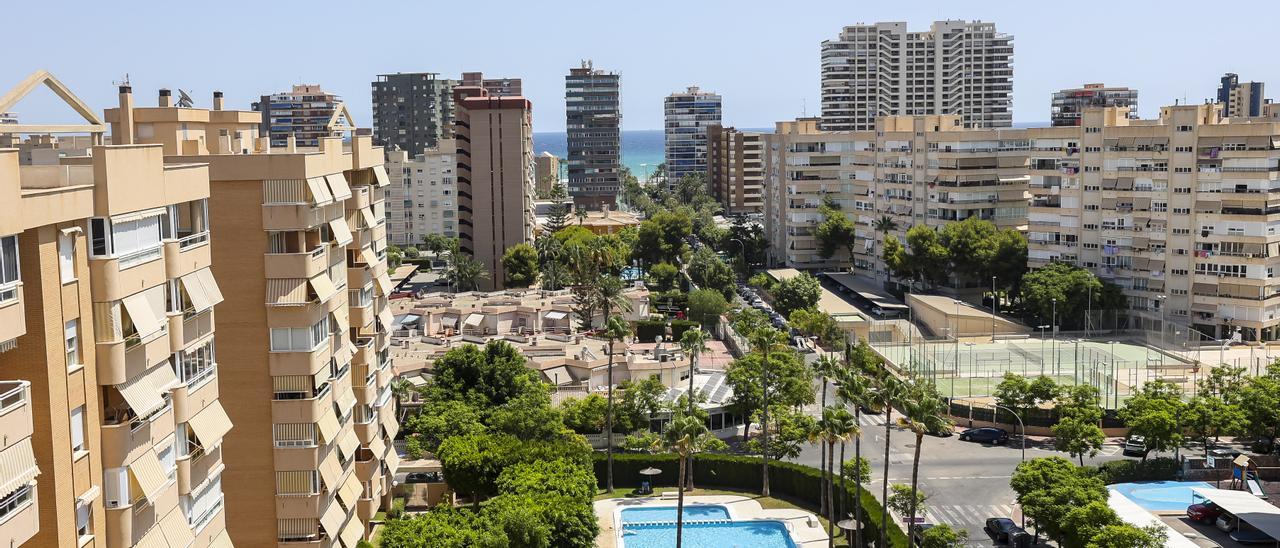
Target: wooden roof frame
<point>25,87</point>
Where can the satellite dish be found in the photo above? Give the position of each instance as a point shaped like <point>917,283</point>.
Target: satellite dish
<point>184,100</point>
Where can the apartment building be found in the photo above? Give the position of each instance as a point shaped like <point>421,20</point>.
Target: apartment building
<point>1179,211</point>
<point>412,111</point>
<point>1240,99</point>
<point>107,313</point>
<point>500,87</point>
<point>306,112</point>
<point>8,118</point>
<point>546,171</point>
<point>301,231</point>
<point>593,122</point>
<point>495,177</point>
<point>913,169</point>
<point>423,196</point>
<point>735,168</point>
<point>881,69</point>
<point>687,116</point>
<point>1068,104</point>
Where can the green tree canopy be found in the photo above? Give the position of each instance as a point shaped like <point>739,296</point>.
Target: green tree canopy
<point>1071,287</point>
<point>926,257</point>
<point>481,376</point>
<point>440,420</point>
<point>1153,413</point>
<point>706,306</point>
<point>1049,488</point>
<point>708,271</point>
<point>835,233</point>
<point>801,291</point>
<point>816,323</point>
<point>790,383</point>
<point>520,262</point>
<point>663,276</point>
<point>662,238</point>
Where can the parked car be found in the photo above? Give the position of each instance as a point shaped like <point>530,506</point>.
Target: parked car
<point>1205,512</point>
<point>1003,530</point>
<point>1226,522</point>
<point>1226,453</point>
<point>994,436</point>
<point>1135,446</point>
<point>423,477</point>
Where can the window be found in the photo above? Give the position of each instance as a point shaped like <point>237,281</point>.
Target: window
<point>67,257</point>
<point>168,458</point>
<point>77,430</point>
<point>8,267</point>
<point>72,335</point>
<point>196,365</point>
<point>84,520</point>
<point>15,501</point>
<point>1184,128</point>
<point>300,339</point>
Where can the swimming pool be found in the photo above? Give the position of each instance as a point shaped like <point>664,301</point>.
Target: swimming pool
<point>692,512</point>
<point>1160,496</point>
<point>736,534</point>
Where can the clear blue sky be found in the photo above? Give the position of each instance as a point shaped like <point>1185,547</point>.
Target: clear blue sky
<point>761,56</point>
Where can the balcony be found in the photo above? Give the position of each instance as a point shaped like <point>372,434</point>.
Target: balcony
<point>303,216</point>
<point>366,508</point>
<point>123,440</point>
<point>13,323</point>
<point>114,278</point>
<point>197,467</point>
<point>23,520</point>
<point>120,360</point>
<point>15,411</point>
<point>303,410</point>
<point>359,198</point>
<point>186,255</point>
<point>188,327</point>
<point>297,265</point>
<point>191,398</point>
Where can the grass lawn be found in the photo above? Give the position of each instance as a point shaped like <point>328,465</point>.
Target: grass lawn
<point>765,502</point>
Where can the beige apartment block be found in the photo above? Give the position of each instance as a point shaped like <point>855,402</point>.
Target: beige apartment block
<point>1182,212</point>
<point>735,168</point>
<point>302,233</point>
<point>495,176</point>
<point>111,322</point>
<point>423,196</point>
<point>912,169</point>
<point>546,171</point>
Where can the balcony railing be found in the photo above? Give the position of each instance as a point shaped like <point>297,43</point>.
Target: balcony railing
<point>138,257</point>
<point>193,239</point>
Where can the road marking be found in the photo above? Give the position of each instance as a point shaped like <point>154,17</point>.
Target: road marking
<point>965,515</point>
<point>931,478</point>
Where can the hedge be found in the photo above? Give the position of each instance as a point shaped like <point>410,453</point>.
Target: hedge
<point>1125,471</point>
<point>647,330</point>
<point>795,481</point>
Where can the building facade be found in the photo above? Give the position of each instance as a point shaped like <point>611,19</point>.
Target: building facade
<point>108,313</point>
<point>423,196</point>
<point>303,113</point>
<point>593,122</point>
<point>303,235</point>
<point>912,169</point>
<point>735,168</point>
<point>546,171</point>
<point>1069,104</point>
<point>881,69</point>
<point>495,177</point>
<point>687,117</point>
<point>1240,99</point>
<point>412,111</point>
<point>499,87</point>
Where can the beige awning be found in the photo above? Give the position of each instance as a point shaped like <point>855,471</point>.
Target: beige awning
<point>341,232</point>
<point>1108,203</point>
<point>329,427</point>
<point>386,318</point>
<point>338,185</point>
<point>348,443</point>
<point>331,521</point>
<point>342,321</point>
<point>451,320</point>
<point>1156,265</point>
<point>322,286</point>
<point>286,291</point>
<point>201,289</point>
<point>384,284</point>
<point>370,258</point>
<point>346,399</point>
<point>1258,141</point>
<point>149,474</point>
<point>387,415</point>
<point>352,533</point>
<point>1204,307</point>
<point>350,491</point>
<point>145,392</point>
<point>380,175</point>
<point>146,318</point>
<point>392,460</point>
<point>17,467</point>
<point>221,541</point>
<point>370,220</point>
<point>1141,203</point>
<point>377,446</point>
<point>176,529</point>
<point>1140,263</point>
<point>211,424</point>
<point>474,320</point>
<point>1204,289</point>
<point>331,471</point>
<point>320,194</point>
<point>136,215</point>
<point>1210,142</point>
<point>153,538</point>
<point>1124,183</point>
<point>210,285</point>
<point>1007,195</point>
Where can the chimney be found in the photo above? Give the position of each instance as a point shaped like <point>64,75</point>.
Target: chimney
<point>217,100</point>
<point>291,144</point>
<point>165,96</point>
<point>123,132</point>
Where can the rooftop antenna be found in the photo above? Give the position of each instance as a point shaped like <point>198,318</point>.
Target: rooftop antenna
<point>123,82</point>
<point>804,108</point>
<point>184,100</point>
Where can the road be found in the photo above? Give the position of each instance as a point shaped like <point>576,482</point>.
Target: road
<point>966,482</point>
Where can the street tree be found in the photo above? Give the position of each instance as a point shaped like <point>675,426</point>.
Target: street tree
<point>709,272</point>
<point>1049,488</point>
<point>1260,401</point>
<point>767,341</point>
<point>927,258</point>
<point>789,380</point>
<point>817,323</point>
<point>1070,290</point>
<point>706,306</point>
<point>943,536</point>
<point>1207,417</point>
<point>795,293</point>
<point>835,233</point>
<point>1077,432</point>
<point>922,411</point>
<point>520,264</point>
<point>1155,413</point>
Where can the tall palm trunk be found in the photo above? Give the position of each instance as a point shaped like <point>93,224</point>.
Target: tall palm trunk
<point>608,424</point>
<point>843,487</point>
<point>831,493</point>
<point>824,455</point>
<point>680,504</point>
<point>764,424</point>
<point>884,497</point>
<point>915,479</point>
<point>692,359</point>
<point>857,479</point>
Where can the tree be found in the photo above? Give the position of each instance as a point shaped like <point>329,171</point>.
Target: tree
<point>395,256</point>
<point>766,341</point>
<point>1154,413</point>
<point>706,306</point>
<point>1020,394</point>
<point>483,377</point>
<point>1226,382</point>
<point>708,271</point>
<point>585,415</point>
<point>1081,524</point>
<point>1207,417</point>
<point>890,391</point>
<point>885,224</point>
<point>922,411</point>
<point>615,329</point>
<point>662,238</point>
<point>801,291</point>
<point>442,527</point>
<point>835,233</point>
<point>1260,401</point>
<point>465,272</point>
<point>747,320</point>
<point>440,420</point>
<point>438,244</point>
<point>971,244</point>
<point>1072,288</point>
<point>1128,536</point>
<point>789,430</point>
<point>816,323</point>
<point>1077,432</point>
<point>927,258</point>
<point>837,426</point>
<point>896,259</point>
<point>789,381</point>
<point>856,390</point>
<point>679,437</point>
<point>904,498</point>
<point>663,276</point>
<point>473,462</point>
<point>520,263</point>
<point>528,416</point>
<point>693,343</point>
<point>943,536</point>
<point>1048,488</point>
<point>641,399</point>
<point>542,477</point>
<point>746,240</point>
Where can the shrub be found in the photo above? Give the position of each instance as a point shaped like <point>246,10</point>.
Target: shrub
<point>413,447</point>
<point>396,511</point>
<point>647,330</point>
<point>678,327</point>
<point>1125,471</point>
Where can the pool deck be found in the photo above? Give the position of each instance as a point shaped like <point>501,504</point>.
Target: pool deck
<point>803,526</point>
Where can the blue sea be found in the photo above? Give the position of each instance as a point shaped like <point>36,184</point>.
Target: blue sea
<point>641,149</point>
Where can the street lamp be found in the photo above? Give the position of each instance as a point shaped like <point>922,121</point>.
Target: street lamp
<point>1053,346</point>
<point>994,310</point>
<point>1022,429</point>
<point>1041,328</point>
<point>1160,299</point>
<point>972,367</point>
<point>744,252</point>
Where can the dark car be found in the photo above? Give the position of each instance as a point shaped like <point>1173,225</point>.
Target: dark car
<point>994,436</point>
<point>1205,512</point>
<point>917,538</point>
<point>1003,529</point>
<point>423,477</point>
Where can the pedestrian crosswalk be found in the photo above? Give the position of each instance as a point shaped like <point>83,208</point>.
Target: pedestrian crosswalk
<point>966,516</point>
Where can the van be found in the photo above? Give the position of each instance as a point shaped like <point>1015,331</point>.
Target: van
<point>1135,446</point>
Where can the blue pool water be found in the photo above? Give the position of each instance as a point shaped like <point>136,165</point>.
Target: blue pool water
<point>694,512</point>
<point>1160,496</point>
<point>741,534</point>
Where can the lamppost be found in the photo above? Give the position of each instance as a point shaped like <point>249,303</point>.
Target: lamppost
<point>1053,346</point>
<point>995,301</point>
<point>744,252</point>
<point>1041,328</point>
<point>972,367</point>
<point>1161,299</point>
<point>1115,396</point>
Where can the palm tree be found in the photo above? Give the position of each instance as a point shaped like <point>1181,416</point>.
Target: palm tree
<point>400,388</point>
<point>889,391</point>
<point>693,343</point>
<point>840,426</point>
<point>823,434</point>
<point>923,411</point>
<point>856,390</point>
<point>884,225</point>
<point>682,436</point>
<point>465,272</point>
<point>615,329</point>
<point>825,368</point>
<point>765,340</point>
